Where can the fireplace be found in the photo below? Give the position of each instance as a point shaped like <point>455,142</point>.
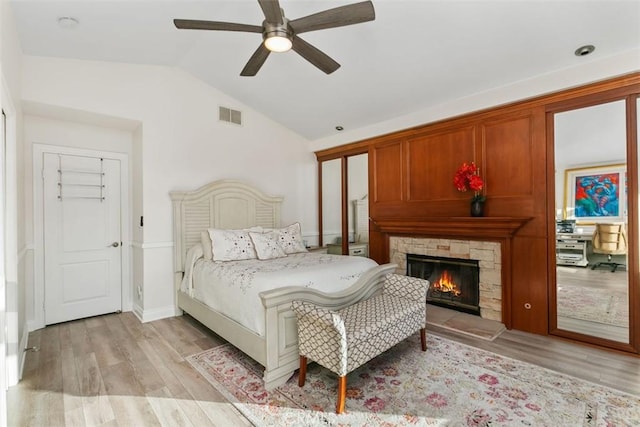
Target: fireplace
<point>487,253</point>
<point>454,283</point>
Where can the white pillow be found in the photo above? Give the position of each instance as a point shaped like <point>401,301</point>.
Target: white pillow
<point>231,245</point>
<point>266,245</point>
<point>290,238</point>
<point>207,245</point>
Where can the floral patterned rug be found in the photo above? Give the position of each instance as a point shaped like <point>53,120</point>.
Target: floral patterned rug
<point>593,304</point>
<point>449,385</point>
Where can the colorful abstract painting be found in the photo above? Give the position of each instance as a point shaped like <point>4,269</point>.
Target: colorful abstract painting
<point>596,193</point>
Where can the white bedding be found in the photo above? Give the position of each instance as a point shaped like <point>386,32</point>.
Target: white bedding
<point>233,287</point>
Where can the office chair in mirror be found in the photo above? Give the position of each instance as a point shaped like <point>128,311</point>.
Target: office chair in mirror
<point>610,240</point>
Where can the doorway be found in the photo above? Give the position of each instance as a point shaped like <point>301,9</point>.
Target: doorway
<point>81,251</point>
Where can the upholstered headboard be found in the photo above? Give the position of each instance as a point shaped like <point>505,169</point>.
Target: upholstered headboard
<point>223,204</point>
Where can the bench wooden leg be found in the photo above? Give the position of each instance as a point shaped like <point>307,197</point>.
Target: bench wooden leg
<point>342,394</point>
<point>302,376</point>
<point>423,338</point>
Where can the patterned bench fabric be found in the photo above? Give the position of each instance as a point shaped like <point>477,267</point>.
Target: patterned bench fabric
<point>343,340</point>
<point>408,287</point>
<point>321,334</point>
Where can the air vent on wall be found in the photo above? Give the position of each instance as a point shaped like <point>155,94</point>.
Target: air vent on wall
<point>231,116</point>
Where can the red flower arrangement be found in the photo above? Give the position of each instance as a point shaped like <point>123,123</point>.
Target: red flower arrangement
<point>467,178</point>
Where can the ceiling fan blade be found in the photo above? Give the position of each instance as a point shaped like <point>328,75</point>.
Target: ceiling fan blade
<point>271,10</point>
<point>314,55</point>
<point>256,61</point>
<point>337,17</point>
<point>191,24</point>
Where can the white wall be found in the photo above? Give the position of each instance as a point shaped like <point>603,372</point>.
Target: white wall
<point>331,200</point>
<point>183,146</point>
<point>12,319</point>
<point>590,71</point>
<point>358,187</point>
<point>137,252</point>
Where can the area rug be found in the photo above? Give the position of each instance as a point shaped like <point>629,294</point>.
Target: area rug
<point>593,304</point>
<point>449,385</point>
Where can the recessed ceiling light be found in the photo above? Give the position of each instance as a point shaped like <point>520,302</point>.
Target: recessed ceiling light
<point>584,50</point>
<point>339,128</point>
<point>68,22</point>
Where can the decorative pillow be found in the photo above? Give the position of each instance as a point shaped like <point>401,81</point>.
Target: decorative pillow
<point>207,245</point>
<point>266,245</point>
<point>290,238</point>
<point>231,245</point>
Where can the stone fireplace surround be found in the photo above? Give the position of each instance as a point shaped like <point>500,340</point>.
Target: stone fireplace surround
<point>487,253</point>
<point>480,230</point>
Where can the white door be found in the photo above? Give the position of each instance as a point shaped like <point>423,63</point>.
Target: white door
<point>82,237</point>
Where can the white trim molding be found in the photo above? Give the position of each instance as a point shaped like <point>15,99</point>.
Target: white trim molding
<point>23,252</point>
<point>24,342</point>
<point>156,313</point>
<point>151,245</point>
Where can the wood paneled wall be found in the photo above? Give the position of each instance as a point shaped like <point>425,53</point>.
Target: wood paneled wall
<point>411,176</point>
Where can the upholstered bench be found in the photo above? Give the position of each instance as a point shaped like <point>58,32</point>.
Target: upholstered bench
<point>345,339</point>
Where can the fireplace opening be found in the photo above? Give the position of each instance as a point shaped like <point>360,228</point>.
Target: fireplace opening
<point>453,283</point>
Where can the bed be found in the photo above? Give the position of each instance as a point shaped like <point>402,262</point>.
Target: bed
<point>233,205</point>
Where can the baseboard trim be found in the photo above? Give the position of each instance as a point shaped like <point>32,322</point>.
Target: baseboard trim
<point>33,325</point>
<point>137,311</point>
<point>155,314</point>
<point>24,342</point>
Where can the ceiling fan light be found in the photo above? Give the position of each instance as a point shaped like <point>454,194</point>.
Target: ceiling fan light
<point>278,43</point>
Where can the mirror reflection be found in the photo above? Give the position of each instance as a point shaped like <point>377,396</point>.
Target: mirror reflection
<point>356,202</point>
<point>358,197</point>
<point>331,201</point>
<point>592,283</point>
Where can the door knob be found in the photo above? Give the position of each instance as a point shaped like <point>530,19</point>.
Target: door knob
<point>115,244</point>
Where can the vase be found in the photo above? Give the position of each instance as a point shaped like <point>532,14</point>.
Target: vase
<point>477,208</point>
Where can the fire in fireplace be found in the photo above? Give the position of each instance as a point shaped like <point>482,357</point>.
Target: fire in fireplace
<point>454,283</point>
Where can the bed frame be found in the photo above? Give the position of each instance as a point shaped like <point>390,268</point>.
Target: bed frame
<point>230,204</point>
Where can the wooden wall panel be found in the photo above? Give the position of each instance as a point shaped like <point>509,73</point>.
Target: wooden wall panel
<point>378,246</point>
<point>508,157</point>
<point>529,291</point>
<point>433,160</point>
<point>386,173</point>
<point>411,179</point>
<point>514,167</point>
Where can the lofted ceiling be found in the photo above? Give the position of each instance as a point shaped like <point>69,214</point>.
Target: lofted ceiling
<point>416,54</point>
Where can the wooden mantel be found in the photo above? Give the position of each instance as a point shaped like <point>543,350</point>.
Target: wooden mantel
<point>469,227</point>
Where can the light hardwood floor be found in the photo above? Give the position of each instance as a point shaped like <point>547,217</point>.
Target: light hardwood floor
<point>113,370</point>
<point>601,279</point>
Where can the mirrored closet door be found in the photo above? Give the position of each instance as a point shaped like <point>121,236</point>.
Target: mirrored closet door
<point>344,204</point>
<point>591,296</point>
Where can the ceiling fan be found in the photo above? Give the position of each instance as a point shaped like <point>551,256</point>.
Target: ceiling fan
<point>279,34</point>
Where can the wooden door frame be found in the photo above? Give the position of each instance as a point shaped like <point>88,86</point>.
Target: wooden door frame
<point>39,151</point>
<point>343,156</point>
<point>629,96</point>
